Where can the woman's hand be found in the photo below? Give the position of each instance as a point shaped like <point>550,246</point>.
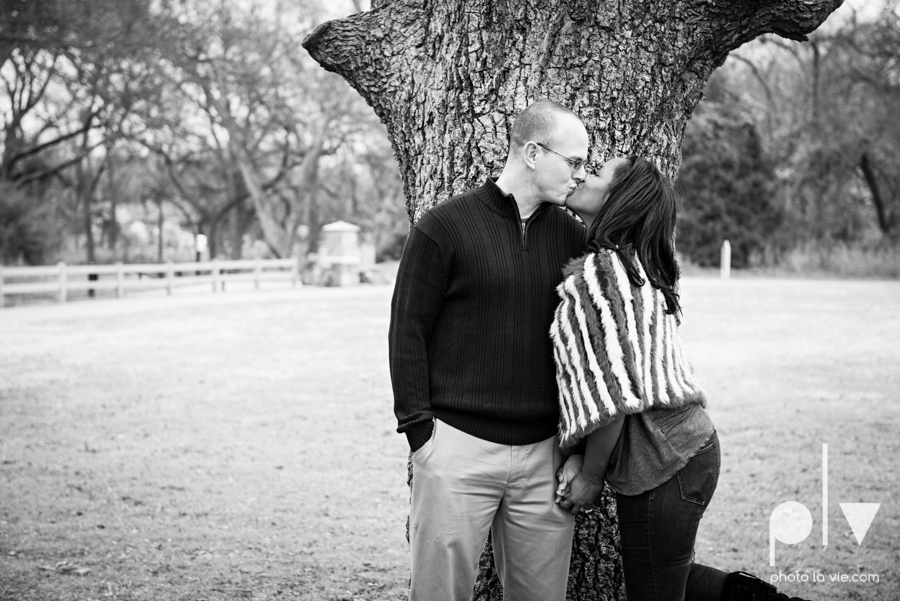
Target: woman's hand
<point>565,474</point>
<point>583,490</point>
<point>587,485</point>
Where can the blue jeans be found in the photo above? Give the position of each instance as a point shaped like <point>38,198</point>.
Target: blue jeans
<point>658,530</point>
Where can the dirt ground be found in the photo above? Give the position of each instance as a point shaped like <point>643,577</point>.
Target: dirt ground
<point>242,445</point>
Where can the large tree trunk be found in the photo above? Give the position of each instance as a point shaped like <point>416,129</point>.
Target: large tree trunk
<point>448,78</point>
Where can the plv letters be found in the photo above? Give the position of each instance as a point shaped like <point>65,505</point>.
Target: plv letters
<point>791,522</point>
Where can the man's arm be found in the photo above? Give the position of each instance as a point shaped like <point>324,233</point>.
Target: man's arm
<point>418,296</point>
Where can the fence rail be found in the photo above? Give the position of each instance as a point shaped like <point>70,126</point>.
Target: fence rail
<point>60,279</point>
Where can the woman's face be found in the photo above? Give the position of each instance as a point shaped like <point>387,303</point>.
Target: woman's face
<point>588,198</point>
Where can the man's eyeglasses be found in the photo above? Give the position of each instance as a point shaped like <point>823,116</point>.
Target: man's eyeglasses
<point>575,164</point>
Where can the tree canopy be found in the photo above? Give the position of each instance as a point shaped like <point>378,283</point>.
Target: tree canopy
<point>207,105</point>
<point>203,117</point>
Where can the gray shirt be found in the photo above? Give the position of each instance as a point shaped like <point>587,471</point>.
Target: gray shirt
<point>654,445</point>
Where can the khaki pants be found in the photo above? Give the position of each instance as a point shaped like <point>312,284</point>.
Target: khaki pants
<point>464,486</point>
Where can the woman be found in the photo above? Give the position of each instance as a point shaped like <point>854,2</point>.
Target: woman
<point>630,406</point>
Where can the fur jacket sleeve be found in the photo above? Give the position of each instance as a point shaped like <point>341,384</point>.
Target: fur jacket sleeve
<point>617,352</point>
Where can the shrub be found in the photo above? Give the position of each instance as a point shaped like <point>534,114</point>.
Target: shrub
<point>727,188</point>
<point>27,228</point>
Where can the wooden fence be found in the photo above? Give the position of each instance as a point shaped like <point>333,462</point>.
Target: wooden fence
<point>61,279</point>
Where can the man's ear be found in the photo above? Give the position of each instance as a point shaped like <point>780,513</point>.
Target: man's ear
<point>529,154</point>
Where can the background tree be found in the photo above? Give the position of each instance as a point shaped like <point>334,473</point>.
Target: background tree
<point>448,78</point>
<point>826,112</point>
<point>728,184</point>
<point>72,78</point>
<point>228,131</point>
<point>274,114</point>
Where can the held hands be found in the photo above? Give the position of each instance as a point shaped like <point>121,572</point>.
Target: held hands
<point>582,492</point>
<point>576,490</point>
<point>566,474</point>
<point>582,482</point>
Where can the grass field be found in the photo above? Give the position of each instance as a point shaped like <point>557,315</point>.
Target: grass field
<point>242,446</point>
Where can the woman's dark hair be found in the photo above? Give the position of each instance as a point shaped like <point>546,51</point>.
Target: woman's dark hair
<point>638,218</point>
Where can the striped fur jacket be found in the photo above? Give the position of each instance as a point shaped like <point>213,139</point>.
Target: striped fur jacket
<point>617,352</point>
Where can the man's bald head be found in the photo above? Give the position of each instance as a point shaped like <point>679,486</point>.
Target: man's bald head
<point>548,147</point>
<point>538,122</point>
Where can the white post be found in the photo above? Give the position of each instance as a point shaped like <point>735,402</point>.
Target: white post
<point>120,279</point>
<point>170,273</point>
<point>62,282</point>
<point>298,261</point>
<point>1,286</point>
<point>257,269</point>
<point>215,275</point>
<point>725,266</point>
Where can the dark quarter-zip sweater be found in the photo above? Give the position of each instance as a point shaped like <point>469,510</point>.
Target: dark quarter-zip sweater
<point>470,318</point>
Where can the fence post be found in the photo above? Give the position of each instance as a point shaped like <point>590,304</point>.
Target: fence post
<point>170,273</point>
<point>63,284</point>
<point>725,265</point>
<point>1,286</point>
<point>215,275</point>
<point>120,279</point>
<point>92,277</point>
<point>297,264</point>
<point>257,269</point>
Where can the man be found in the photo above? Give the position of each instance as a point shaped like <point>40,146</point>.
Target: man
<point>473,373</point>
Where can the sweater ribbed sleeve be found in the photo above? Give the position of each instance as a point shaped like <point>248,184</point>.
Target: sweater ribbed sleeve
<point>418,296</point>
<point>617,351</point>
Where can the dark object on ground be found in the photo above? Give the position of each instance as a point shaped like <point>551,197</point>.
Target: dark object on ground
<point>741,586</point>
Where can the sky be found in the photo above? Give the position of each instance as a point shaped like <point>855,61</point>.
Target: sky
<point>865,9</point>
<point>336,9</point>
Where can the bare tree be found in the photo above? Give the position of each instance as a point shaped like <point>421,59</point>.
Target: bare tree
<point>275,114</point>
<point>829,110</point>
<point>67,48</point>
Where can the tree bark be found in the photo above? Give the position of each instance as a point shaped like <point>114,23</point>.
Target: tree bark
<point>85,197</point>
<point>448,78</point>
<point>314,222</point>
<point>884,222</point>
<point>113,233</point>
<point>160,225</point>
<point>86,178</point>
<point>241,218</point>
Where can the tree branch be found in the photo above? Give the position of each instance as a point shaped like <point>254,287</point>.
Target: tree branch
<point>87,125</point>
<point>367,48</point>
<point>58,168</point>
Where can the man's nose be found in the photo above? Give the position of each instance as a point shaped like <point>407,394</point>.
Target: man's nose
<point>580,175</point>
